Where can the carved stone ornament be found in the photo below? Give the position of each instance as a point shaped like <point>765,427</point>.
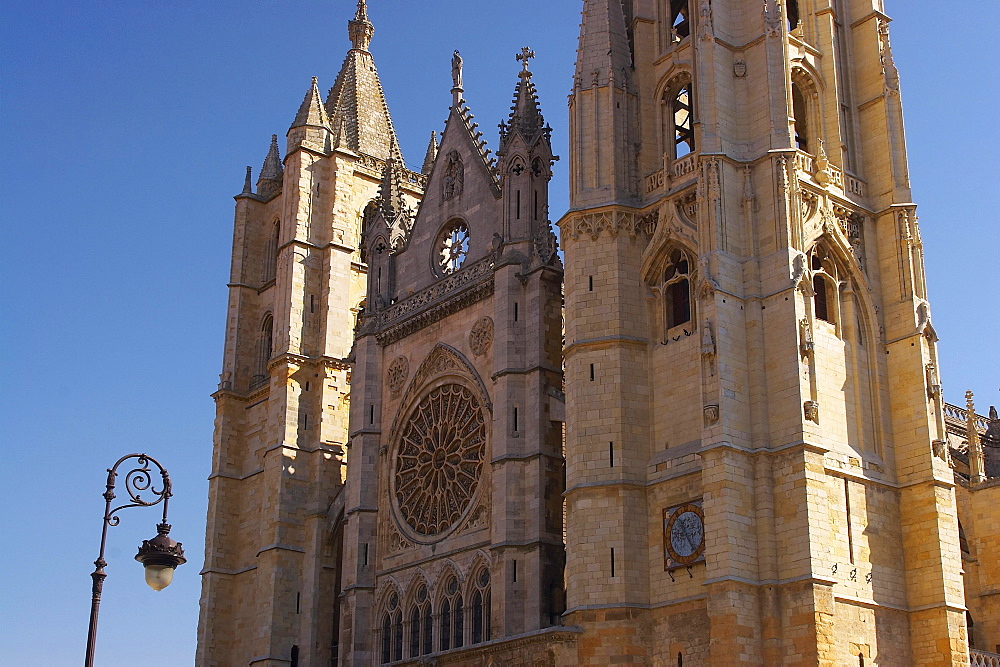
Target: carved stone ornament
<point>454,176</point>
<point>740,68</point>
<point>396,374</point>
<point>811,410</point>
<point>711,414</point>
<point>439,459</point>
<point>481,336</point>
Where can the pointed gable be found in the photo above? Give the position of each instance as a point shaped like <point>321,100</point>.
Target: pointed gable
<point>462,186</point>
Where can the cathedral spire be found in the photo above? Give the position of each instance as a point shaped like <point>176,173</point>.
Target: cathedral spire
<point>360,30</point>
<point>356,105</point>
<point>431,155</point>
<point>312,112</point>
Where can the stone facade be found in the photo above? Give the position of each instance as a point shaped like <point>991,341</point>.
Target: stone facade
<point>716,437</point>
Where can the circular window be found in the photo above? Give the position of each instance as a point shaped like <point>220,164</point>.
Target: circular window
<point>452,248</point>
<point>439,459</point>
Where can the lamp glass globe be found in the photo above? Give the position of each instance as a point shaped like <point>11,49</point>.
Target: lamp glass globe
<point>159,576</point>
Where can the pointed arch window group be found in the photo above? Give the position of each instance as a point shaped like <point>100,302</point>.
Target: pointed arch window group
<point>459,616</point>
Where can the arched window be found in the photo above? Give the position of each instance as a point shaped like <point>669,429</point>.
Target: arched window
<point>680,27</point>
<point>391,630</point>
<point>452,617</point>
<point>801,114</point>
<point>676,289</point>
<point>265,343</point>
<point>271,253</point>
<point>421,628</point>
<point>683,129</point>
<point>481,607</point>
<point>825,281</point>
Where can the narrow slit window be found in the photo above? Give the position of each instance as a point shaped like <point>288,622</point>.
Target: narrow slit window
<point>612,561</point>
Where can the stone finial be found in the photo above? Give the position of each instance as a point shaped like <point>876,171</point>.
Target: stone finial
<point>977,465</point>
<point>456,79</point>
<point>360,30</point>
<point>525,113</point>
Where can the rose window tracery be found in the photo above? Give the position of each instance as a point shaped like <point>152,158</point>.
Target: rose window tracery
<point>453,248</point>
<point>439,459</point>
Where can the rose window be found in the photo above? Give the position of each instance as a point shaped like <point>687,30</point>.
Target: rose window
<point>453,248</point>
<point>439,459</point>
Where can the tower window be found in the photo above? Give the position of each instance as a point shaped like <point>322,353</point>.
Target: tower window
<point>800,113</point>
<point>676,289</point>
<point>793,14</point>
<point>265,344</point>
<point>680,27</point>
<point>271,253</point>
<point>681,114</point>
<point>820,300</point>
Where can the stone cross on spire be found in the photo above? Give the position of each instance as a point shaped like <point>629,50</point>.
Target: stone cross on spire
<point>360,30</point>
<point>524,56</point>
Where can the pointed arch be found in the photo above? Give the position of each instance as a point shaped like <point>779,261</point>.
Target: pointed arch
<point>270,264</point>
<point>389,619</point>
<point>479,600</point>
<point>265,349</point>
<point>419,616</point>
<point>669,271</point>
<point>805,108</point>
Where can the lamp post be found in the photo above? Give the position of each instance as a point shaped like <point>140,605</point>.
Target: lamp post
<point>159,555</point>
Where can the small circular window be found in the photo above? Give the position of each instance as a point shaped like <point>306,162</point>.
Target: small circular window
<point>452,248</point>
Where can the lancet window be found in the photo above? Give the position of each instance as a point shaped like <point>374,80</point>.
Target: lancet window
<point>271,253</point>
<point>451,619</point>
<point>421,624</point>
<point>825,281</point>
<point>683,129</point>
<point>793,14</point>
<point>479,601</point>
<point>800,111</point>
<point>391,630</point>
<point>265,343</point>
<point>675,289</point>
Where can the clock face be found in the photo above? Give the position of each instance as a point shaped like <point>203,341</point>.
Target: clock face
<point>684,534</point>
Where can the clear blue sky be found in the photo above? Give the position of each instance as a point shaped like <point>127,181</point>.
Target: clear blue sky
<point>126,127</point>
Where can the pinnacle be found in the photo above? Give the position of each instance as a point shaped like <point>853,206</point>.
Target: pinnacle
<point>431,155</point>
<point>312,112</point>
<point>526,115</point>
<point>357,101</point>
<point>271,173</point>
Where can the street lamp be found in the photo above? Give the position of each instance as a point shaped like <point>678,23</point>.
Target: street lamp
<point>159,555</point>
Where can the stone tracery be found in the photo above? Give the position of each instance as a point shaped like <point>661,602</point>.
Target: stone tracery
<point>439,459</point>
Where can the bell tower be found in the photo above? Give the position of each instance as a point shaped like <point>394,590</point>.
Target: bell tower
<point>271,579</point>
<point>756,469</point>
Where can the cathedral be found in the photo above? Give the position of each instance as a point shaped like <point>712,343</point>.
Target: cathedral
<point>703,425</point>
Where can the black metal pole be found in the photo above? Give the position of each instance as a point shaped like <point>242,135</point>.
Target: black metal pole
<point>136,481</point>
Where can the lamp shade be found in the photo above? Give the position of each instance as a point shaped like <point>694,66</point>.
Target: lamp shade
<point>160,556</point>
